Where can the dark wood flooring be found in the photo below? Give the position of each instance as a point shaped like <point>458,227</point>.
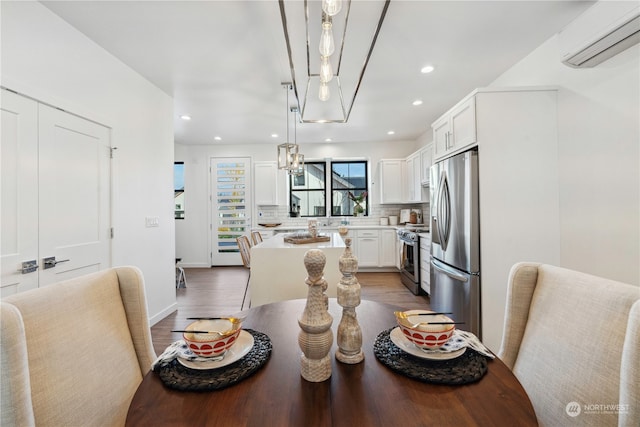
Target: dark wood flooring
<point>221,291</point>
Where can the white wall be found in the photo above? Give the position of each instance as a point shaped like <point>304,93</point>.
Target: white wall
<point>192,238</point>
<point>599,158</point>
<point>45,58</point>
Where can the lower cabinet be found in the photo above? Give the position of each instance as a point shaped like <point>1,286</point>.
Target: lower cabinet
<point>376,248</point>
<point>425,262</point>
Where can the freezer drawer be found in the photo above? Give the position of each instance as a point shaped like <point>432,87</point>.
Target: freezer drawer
<point>456,292</point>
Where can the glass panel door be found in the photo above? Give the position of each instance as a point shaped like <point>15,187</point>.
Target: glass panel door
<point>230,208</point>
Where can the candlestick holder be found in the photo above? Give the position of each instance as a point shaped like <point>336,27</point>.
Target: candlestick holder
<point>315,338</point>
<point>349,332</point>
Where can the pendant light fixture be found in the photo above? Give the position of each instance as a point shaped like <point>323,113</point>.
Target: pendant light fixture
<point>289,157</point>
<point>331,7</point>
<point>327,47</point>
<point>326,71</point>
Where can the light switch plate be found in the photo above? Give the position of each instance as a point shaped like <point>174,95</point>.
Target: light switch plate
<point>152,221</point>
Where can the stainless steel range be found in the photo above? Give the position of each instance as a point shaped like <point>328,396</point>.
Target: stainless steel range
<point>410,258</point>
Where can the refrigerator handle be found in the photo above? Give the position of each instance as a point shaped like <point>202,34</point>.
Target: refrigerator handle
<point>442,268</point>
<point>435,236</point>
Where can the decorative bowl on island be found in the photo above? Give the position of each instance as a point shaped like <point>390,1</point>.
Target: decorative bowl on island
<point>424,328</point>
<point>220,335</point>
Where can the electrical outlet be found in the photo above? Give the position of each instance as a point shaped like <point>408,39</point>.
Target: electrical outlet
<point>152,221</point>
<point>260,214</point>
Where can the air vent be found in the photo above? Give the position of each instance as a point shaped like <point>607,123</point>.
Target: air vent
<point>600,33</point>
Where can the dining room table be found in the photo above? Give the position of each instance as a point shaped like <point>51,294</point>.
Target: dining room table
<point>374,392</point>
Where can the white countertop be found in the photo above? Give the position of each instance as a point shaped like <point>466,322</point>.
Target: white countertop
<point>277,242</point>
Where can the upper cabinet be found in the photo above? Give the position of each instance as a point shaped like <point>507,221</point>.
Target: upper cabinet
<point>392,176</point>
<point>456,129</point>
<point>265,183</point>
<point>426,160</point>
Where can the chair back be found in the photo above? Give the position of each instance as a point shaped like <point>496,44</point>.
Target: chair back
<point>573,341</point>
<point>256,237</point>
<point>244,245</point>
<point>74,353</point>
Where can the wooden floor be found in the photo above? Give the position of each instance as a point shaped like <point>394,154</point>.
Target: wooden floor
<point>221,291</point>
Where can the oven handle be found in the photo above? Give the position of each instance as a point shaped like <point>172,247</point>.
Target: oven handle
<point>442,268</point>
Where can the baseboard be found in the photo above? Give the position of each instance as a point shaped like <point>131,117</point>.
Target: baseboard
<point>164,313</point>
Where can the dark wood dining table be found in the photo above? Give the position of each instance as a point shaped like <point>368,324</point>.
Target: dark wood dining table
<point>363,394</point>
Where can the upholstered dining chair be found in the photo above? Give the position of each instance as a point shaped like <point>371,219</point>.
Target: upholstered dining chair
<point>573,341</point>
<point>256,237</point>
<point>74,353</point>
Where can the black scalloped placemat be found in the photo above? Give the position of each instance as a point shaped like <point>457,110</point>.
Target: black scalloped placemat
<point>467,368</point>
<point>175,375</point>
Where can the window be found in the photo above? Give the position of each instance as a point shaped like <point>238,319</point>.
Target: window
<point>178,189</point>
<point>308,195</point>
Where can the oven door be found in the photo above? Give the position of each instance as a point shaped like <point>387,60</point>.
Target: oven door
<point>410,265</point>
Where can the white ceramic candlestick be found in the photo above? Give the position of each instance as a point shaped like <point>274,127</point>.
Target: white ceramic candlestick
<point>349,332</point>
<point>315,338</point>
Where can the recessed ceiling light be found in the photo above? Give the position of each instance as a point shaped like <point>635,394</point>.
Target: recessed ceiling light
<point>427,69</point>
<point>217,138</point>
<point>327,140</point>
<point>185,117</point>
<point>417,102</point>
<point>391,132</point>
<point>274,135</point>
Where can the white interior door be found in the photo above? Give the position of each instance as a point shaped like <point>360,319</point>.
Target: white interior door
<point>55,195</point>
<point>19,208</point>
<point>74,160</point>
<point>230,207</point>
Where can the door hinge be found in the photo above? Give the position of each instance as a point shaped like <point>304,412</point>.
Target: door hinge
<point>111,232</point>
<point>111,150</point>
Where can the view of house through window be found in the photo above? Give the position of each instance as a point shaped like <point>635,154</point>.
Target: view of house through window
<point>178,189</point>
<point>348,181</point>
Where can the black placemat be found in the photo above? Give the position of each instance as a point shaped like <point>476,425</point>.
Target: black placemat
<point>175,375</point>
<point>467,368</point>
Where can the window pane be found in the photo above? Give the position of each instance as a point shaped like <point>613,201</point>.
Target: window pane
<point>348,177</point>
<point>313,178</point>
<point>178,189</point>
<point>309,203</point>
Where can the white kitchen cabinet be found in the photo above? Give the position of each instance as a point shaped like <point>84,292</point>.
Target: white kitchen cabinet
<point>456,129</point>
<point>265,183</point>
<point>388,252</point>
<point>367,251</point>
<point>426,160</point>
<point>425,262</point>
<point>414,192</point>
<point>391,180</point>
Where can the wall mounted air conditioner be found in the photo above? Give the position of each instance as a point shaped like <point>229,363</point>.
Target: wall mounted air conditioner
<point>601,32</point>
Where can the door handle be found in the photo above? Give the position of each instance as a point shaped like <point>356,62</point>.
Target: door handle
<point>449,272</point>
<point>28,266</point>
<point>51,262</point>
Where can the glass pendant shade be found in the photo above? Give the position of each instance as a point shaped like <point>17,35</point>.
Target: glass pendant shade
<point>297,167</point>
<point>331,7</point>
<point>326,71</point>
<point>286,154</point>
<point>324,92</point>
<point>327,47</point>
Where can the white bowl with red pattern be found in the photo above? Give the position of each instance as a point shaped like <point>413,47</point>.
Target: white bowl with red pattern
<point>424,329</point>
<point>219,336</point>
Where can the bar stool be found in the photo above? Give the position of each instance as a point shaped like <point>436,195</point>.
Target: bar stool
<point>181,278</point>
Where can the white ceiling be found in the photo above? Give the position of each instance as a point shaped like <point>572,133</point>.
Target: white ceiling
<point>223,61</point>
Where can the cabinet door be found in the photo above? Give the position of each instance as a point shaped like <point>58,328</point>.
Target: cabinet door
<point>410,184</point>
<point>388,251</point>
<point>426,159</point>
<point>265,183</point>
<point>441,130</point>
<point>463,125</point>
<point>367,248</point>
<point>391,181</point>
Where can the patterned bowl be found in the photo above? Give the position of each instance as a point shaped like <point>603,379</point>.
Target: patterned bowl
<point>416,327</point>
<point>221,335</point>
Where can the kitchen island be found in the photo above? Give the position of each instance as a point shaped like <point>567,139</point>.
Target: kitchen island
<point>278,273</point>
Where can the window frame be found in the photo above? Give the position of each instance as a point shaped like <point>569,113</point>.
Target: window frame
<point>178,192</point>
<point>328,188</point>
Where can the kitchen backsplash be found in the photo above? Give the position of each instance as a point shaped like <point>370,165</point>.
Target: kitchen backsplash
<point>270,214</point>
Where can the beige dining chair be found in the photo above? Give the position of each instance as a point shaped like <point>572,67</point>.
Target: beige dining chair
<point>573,341</point>
<point>256,237</point>
<point>244,246</point>
<point>74,353</point>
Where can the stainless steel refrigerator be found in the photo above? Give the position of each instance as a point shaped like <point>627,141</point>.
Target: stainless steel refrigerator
<point>455,240</point>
